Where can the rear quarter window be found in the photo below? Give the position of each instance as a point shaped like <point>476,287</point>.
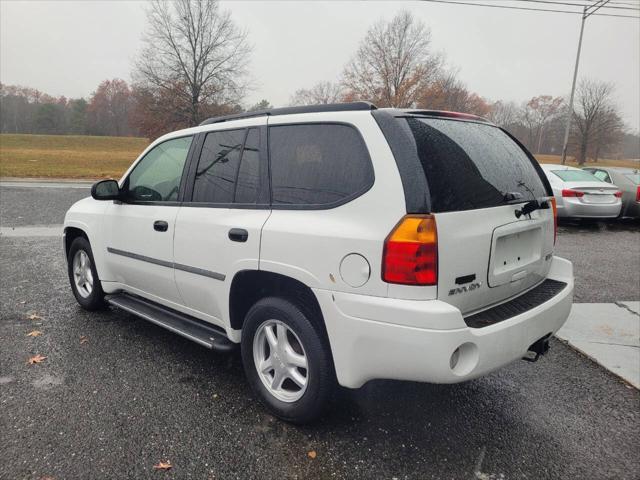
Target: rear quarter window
<point>471,165</point>
<point>317,165</point>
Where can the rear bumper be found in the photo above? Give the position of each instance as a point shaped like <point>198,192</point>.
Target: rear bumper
<point>575,208</point>
<point>385,338</point>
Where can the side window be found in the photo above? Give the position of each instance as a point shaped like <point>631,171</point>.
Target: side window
<point>317,164</point>
<point>156,178</point>
<point>228,172</point>
<point>249,171</point>
<point>602,175</point>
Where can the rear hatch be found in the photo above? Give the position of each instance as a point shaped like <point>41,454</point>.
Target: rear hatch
<point>478,179</point>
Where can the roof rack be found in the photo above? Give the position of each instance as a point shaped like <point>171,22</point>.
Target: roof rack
<point>329,107</point>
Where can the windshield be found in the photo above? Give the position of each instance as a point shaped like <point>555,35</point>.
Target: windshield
<point>472,165</point>
<point>575,176</point>
<point>634,177</point>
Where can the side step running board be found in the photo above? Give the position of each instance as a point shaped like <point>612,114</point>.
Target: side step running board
<point>196,330</point>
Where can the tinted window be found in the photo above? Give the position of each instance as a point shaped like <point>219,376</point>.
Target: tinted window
<point>472,165</point>
<point>227,172</point>
<point>317,164</point>
<point>157,176</point>
<point>249,173</point>
<point>575,176</point>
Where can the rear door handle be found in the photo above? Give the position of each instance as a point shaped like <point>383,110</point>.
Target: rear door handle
<point>160,226</point>
<point>238,235</point>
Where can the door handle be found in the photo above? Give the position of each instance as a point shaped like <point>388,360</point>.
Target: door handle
<point>238,235</point>
<point>160,226</point>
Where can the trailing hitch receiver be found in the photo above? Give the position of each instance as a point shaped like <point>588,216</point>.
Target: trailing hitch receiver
<point>539,348</point>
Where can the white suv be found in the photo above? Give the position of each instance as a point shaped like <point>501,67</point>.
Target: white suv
<point>336,243</point>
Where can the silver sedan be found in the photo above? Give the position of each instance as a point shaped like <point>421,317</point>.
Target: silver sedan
<point>579,194</point>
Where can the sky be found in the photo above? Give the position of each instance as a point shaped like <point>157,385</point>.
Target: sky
<point>69,47</point>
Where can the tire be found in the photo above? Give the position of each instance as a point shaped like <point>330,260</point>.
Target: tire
<point>84,281</point>
<point>291,402</point>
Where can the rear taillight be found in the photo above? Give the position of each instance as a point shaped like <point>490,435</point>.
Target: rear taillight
<point>571,193</point>
<point>410,254</point>
<point>555,219</point>
<point>638,194</point>
<point>618,194</point>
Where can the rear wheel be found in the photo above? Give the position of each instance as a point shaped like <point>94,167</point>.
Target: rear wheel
<point>287,360</point>
<point>83,275</point>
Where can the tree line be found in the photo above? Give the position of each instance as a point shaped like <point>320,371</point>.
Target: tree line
<point>195,64</point>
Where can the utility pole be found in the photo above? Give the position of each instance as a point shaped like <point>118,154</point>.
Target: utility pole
<point>585,13</point>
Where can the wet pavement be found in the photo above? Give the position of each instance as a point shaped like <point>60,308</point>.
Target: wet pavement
<point>116,395</point>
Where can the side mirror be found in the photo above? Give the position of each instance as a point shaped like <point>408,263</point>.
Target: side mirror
<point>105,190</point>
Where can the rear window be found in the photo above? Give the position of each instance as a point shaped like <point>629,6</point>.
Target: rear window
<point>472,165</point>
<point>575,176</point>
<point>317,164</point>
<point>634,177</point>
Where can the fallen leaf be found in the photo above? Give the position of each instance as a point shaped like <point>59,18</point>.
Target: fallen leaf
<point>34,333</point>
<point>46,478</point>
<point>163,465</point>
<point>36,359</point>
<point>312,454</point>
<point>83,339</point>
<point>33,316</point>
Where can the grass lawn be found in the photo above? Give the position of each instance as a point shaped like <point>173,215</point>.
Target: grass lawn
<point>600,163</point>
<point>83,156</point>
<point>67,156</point>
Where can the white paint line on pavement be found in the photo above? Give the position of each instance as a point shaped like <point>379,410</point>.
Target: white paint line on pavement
<point>608,333</point>
<point>44,185</point>
<point>32,231</point>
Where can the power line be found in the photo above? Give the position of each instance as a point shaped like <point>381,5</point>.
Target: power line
<point>511,7</point>
<point>590,2</point>
<point>616,2</point>
<point>595,7</point>
<point>573,4</point>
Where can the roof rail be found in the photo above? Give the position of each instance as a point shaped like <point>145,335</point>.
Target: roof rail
<point>329,107</point>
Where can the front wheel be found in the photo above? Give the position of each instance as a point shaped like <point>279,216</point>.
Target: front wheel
<point>287,360</point>
<point>83,275</point>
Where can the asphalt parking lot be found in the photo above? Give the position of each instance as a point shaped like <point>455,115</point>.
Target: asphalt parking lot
<point>116,395</point>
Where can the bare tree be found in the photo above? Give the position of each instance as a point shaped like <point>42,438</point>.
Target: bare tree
<point>541,110</point>
<point>503,114</point>
<point>320,93</point>
<point>608,133</point>
<point>194,51</point>
<point>527,119</point>
<point>446,92</point>
<point>393,64</point>
<point>593,116</point>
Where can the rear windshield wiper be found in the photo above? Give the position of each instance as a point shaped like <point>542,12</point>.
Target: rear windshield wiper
<point>532,206</point>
